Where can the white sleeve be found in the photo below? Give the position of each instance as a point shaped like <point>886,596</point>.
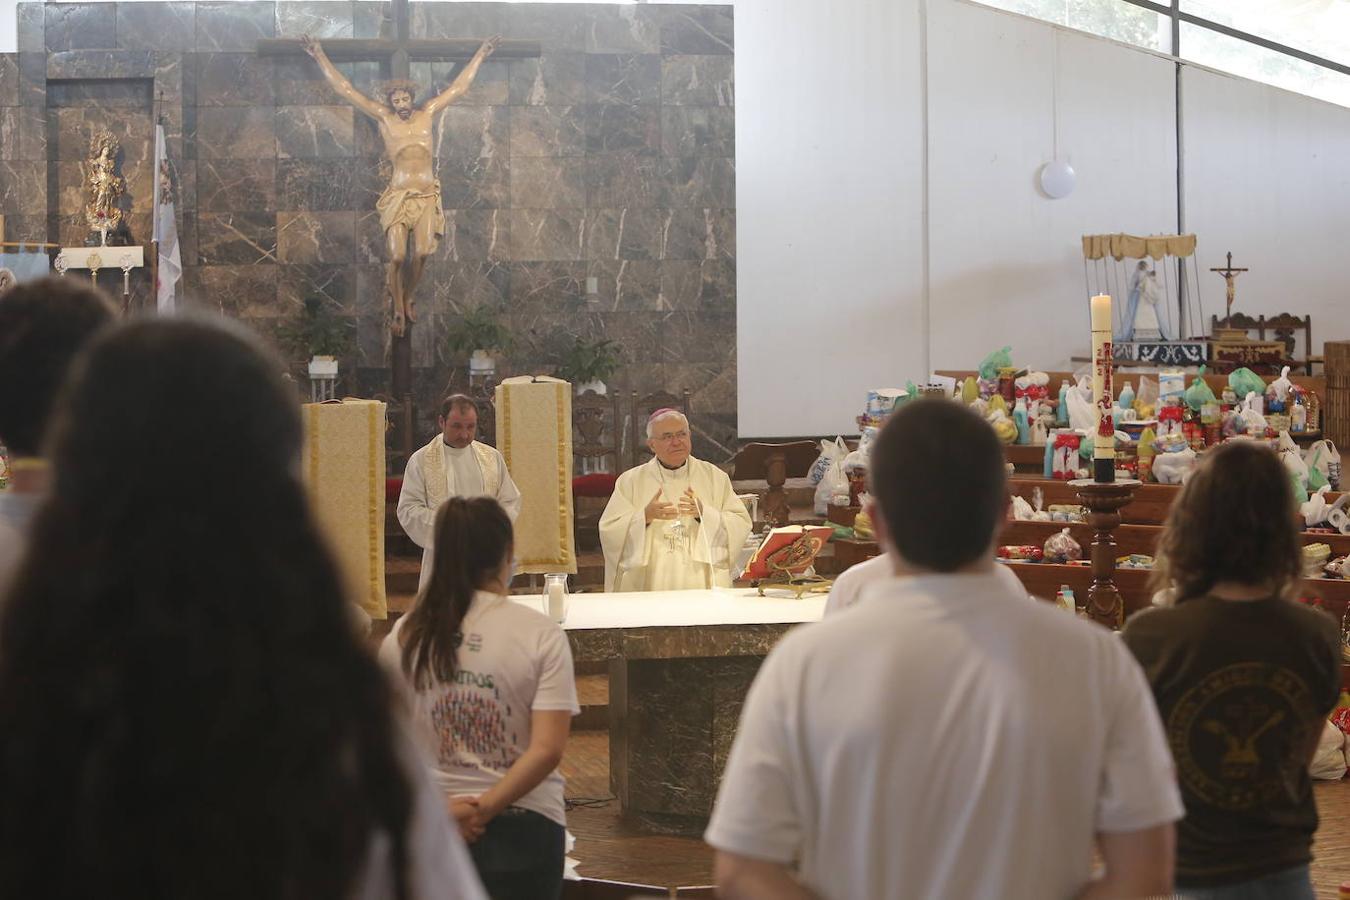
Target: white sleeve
<point>508,495</point>
<point>418,519</point>
<point>557,687</point>
<point>623,529</point>
<point>1139,781</point>
<point>756,813</point>
<point>842,593</point>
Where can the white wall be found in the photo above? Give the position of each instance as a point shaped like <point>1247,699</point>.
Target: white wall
<point>828,239</point>
<point>1268,177</point>
<point>1007,264</point>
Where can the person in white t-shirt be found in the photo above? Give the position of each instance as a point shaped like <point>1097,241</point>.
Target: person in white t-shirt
<point>944,738</point>
<point>851,585</point>
<point>492,685</point>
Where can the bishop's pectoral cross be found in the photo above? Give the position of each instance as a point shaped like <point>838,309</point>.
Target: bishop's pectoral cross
<point>410,190</point>
<point>1230,275</point>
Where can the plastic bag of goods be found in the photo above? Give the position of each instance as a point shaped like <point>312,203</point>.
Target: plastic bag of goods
<point>833,483</point>
<point>1146,398</point>
<point>1278,392</point>
<point>1199,393</point>
<point>830,451</point>
<point>1244,381</point>
<point>1082,414</point>
<point>999,359</point>
<point>1171,383</point>
<point>1062,548</point>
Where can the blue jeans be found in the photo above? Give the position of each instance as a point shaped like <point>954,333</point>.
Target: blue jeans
<point>1291,884</point>
<point>520,856</point>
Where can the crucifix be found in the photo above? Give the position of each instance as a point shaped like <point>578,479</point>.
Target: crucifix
<point>1230,275</point>
<point>410,207</point>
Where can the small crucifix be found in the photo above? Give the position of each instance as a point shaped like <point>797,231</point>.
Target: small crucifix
<point>1230,275</point>
<point>410,208</point>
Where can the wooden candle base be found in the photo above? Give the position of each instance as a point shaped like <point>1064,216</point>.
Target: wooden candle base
<point>1103,503</point>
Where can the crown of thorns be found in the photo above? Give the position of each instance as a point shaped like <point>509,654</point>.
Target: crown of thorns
<point>398,84</point>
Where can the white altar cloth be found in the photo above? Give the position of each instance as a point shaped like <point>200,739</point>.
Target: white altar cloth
<point>683,609</point>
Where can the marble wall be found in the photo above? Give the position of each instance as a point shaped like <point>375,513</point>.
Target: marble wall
<point>590,191</point>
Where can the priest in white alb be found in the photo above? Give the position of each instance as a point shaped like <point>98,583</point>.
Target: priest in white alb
<point>453,464</point>
<point>673,523</point>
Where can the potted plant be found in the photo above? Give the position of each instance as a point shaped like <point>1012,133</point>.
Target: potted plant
<point>320,334</point>
<point>480,335</point>
<point>588,363</point>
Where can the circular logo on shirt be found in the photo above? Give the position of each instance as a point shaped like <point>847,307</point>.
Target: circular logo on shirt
<point>1234,731</point>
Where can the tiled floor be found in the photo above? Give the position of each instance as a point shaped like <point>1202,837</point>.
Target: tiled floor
<point>609,848</point>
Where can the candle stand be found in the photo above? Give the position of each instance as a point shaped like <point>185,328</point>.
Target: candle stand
<point>1104,502</point>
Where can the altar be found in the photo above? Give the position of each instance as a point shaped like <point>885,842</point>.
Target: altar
<point>680,664</point>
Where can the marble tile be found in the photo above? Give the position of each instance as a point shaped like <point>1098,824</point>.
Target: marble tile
<point>33,79</point>
<point>370,238</point>
<point>236,132</point>
<point>9,79</point>
<point>236,238</point>
<point>168,73</point>
<point>548,131</point>
<point>625,181</point>
<point>623,130</point>
<point>560,28</point>
<point>316,237</point>
<point>243,292</point>
<point>616,234</point>
<point>325,132</point>
<point>187,238</point>
<point>316,184</point>
<point>300,83</point>
<point>457,21</point>
<point>157,26</point>
<point>546,234</point>
<point>623,78</point>
<point>541,291</point>
<point>698,81</point>
<point>698,131</point>
<point>558,79</point>
<point>698,285</point>
<point>626,284</point>
<point>703,182</point>
<point>80,26</point>
<point>236,185</point>
<point>316,18</point>
<point>372,19</point>
<point>9,132</point>
<point>472,183</point>
<point>100,94</point>
<point>481,132</point>
<point>687,30</point>
<point>234,79</point>
<point>23,187</point>
<point>75,125</point>
<point>31,28</point>
<point>623,28</point>
<point>545,183</point>
<point>490,86</point>
<point>700,234</point>
<point>697,336</point>
<point>32,132</point>
<point>234,24</point>
<point>474,234</point>
<point>25,228</point>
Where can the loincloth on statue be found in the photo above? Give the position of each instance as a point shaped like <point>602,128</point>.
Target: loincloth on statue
<point>411,208</point>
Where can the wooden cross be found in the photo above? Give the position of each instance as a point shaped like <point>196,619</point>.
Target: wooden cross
<point>1230,275</point>
<point>397,54</point>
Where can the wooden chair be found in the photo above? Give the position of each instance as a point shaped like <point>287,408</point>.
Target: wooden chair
<point>775,463</point>
<point>1237,321</point>
<point>643,407</point>
<point>596,431</point>
<point>1282,328</point>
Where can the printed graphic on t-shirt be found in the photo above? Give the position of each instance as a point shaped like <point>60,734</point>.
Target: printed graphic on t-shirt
<point>1232,730</point>
<point>470,722</point>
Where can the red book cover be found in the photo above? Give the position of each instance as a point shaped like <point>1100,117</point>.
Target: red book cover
<point>792,548</point>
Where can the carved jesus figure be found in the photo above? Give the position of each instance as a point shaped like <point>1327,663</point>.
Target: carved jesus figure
<point>410,207</point>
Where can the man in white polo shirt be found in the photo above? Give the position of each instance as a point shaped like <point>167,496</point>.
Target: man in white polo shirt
<point>944,737</point>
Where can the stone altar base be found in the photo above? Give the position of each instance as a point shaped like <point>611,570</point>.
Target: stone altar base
<point>672,722</point>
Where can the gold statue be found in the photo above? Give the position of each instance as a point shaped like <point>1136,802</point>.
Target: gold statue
<point>103,184</point>
<point>410,207</point>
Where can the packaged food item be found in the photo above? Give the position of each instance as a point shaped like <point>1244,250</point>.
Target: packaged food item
<point>1023,552</point>
<point>1315,557</point>
<point>1062,548</point>
<point>1067,444</point>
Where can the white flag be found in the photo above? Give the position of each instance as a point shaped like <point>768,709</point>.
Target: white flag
<point>165,229</point>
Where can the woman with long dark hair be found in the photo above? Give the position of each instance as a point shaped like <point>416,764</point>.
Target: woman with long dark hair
<point>1244,678</point>
<point>492,680</point>
<point>185,709</point>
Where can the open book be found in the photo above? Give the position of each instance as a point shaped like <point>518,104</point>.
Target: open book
<point>791,549</point>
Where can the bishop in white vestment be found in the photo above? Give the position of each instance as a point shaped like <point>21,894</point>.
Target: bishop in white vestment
<point>453,464</point>
<point>673,523</point>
